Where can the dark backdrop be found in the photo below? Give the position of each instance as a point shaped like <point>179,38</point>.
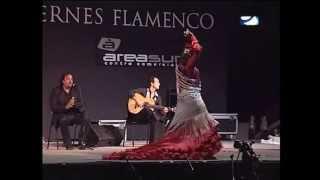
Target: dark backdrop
<point>239,66</point>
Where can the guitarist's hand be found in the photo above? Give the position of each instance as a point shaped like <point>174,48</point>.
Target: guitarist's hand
<point>165,110</point>
<point>71,103</point>
<point>138,103</point>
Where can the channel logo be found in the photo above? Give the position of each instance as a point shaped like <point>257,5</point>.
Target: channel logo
<point>249,20</point>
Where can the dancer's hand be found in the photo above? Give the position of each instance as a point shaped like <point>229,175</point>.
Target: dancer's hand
<point>191,40</point>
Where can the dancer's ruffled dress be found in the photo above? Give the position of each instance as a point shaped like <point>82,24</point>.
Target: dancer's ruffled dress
<point>192,133</point>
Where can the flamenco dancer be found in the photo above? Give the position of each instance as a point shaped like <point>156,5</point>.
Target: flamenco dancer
<point>192,133</point>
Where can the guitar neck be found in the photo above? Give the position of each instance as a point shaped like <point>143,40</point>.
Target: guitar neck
<point>158,107</point>
<point>155,106</point>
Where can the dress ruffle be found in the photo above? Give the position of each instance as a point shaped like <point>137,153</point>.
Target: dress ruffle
<point>174,146</point>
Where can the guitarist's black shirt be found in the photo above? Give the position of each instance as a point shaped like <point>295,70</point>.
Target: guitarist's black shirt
<point>147,116</point>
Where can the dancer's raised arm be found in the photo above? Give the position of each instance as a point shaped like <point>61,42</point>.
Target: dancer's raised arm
<point>191,54</point>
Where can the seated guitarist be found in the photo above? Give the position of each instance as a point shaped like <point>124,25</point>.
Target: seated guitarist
<point>148,114</point>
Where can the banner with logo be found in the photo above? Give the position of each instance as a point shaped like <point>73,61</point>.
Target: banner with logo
<point>112,47</point>
<point>139,34</point>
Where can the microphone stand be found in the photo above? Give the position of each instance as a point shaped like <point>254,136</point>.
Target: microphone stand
<point>237,166</point>
<point>86,124</point>
<point>232,167</point>
<point>249,163</point>
<point>190,165</point>
<point>133,169</point>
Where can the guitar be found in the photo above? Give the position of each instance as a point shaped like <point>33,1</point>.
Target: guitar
<point>138,102</point>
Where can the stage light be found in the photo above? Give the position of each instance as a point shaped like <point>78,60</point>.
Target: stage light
<point>249,20</point>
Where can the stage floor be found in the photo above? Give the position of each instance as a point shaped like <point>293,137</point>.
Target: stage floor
<point>267,152</point>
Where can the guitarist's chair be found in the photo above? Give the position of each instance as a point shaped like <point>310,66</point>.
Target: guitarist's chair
<point>52,125</point>
<point>135,124</point>
<point>134,107</point>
